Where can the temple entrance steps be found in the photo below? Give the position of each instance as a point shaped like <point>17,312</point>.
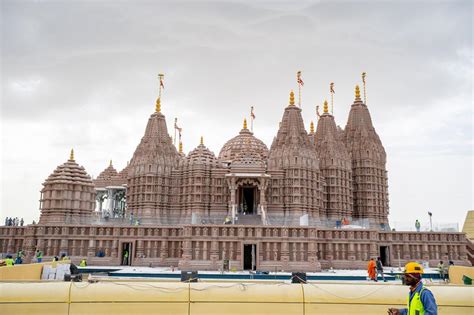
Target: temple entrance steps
<point>249,219</point>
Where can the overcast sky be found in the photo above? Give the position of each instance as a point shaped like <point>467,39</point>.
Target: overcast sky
<point>82,74</point>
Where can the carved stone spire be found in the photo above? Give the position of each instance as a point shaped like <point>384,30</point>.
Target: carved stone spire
<point>369,164</point>
<point>291,149</point>
<point>335,165</point>
<point>155,156</point>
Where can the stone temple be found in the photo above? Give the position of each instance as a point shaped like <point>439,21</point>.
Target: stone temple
<point>310,201</point>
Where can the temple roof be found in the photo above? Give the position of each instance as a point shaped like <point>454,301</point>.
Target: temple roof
<point>69,173</point>
<point>201,155</point>
<point>292,141</point>
<point>361,138</point>
<point>155,147</point>
<point>245,141</point>
<point>110,177</point>
<point>327,140</point>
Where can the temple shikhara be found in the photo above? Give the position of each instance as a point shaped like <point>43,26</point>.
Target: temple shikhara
<point>311,200</point>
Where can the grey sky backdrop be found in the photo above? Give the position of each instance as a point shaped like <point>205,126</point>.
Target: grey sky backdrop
<point>82,74</point>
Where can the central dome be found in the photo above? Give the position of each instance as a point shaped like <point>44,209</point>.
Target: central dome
<point>244,142</point>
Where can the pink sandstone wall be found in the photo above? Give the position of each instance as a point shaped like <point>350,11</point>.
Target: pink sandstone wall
<point>205,246</point>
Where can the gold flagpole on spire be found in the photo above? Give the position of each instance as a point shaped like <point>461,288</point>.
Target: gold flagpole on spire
<point>300,84</point>
<point>180,130</point>
<point>252,117</point>
<point>331,89</point>
<point>175,124</point>
<point>158,100</point>
<point>162,86</point>
<point>363,83</point>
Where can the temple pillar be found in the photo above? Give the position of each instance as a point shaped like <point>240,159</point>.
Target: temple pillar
<point>91,249</point>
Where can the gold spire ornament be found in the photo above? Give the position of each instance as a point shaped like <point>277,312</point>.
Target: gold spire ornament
<point>326,107</point>
<point>292,98</point>
<point>245,123</point>
<point>180,147</point>
<point>161,86</point>
<point>357,92</point>
<point>110,163</point>
<point>202,141</point>
<point>71,156</point>
<point>363,85</point>
<point>311,127</point>
<point>158,105</point>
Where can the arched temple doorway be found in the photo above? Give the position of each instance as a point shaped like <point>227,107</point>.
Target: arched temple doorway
<point>248,199</point>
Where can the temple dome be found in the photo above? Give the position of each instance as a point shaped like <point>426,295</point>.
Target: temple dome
<point>245,141</point>
<point>201,155</point>
<point>69,173</point>
<point>110,177</point>
<point>248,159</point>
<point>68,195</point>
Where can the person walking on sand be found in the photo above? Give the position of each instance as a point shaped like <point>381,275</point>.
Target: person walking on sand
<point>380,269</point>
<point>371,269</point>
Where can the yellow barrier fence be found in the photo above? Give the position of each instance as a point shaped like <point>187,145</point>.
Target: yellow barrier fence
<point>147,297</point>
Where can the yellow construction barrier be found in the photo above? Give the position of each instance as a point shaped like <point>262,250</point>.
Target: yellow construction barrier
<point>146,297</point>
<point>456,274</point>
<point>21,272</point>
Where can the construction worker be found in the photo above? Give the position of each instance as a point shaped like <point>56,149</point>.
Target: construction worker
<point>64,257</point>
<point>420,300</point>
<point>9,261</point>
<point>125,257</point>
<point>442,270</point>
<point>83,263</point>
<point>39,256</point>
<point>19,257</point>
<point>417,225</point>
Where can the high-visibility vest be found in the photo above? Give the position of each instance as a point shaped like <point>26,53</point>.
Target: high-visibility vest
<point>9,262</point>
<point>83,263</point>
<point>415,307</point>
<point>39,254</point>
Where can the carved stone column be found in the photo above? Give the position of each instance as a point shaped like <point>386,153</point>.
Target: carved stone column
<point>91,249</point>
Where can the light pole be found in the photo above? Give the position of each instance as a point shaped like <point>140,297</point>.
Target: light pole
<point>431,222</point>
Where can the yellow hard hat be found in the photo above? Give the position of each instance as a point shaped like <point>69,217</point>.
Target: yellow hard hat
<point>413,267</point>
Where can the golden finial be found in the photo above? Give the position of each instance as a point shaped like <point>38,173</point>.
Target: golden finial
<point>71,156</point>
<point>311,127</point>
<point>326,107</point>
<point>202,140</point>
<point>180,147</point>
<point>245,123</point>
<point>158,105</point>
<point>110,163</point>
<point>357,91</point>
<point>292,98</point>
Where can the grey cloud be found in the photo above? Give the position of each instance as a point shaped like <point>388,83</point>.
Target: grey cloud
<point>84,73</point>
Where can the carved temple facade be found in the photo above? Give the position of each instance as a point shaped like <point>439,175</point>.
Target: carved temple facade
<point>282,206</point>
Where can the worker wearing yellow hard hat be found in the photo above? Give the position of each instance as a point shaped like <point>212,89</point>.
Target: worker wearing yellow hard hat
<point>420,300</point>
